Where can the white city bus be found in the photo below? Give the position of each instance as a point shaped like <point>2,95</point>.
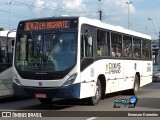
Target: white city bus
<point>77,57</point>
<point>7,39</point>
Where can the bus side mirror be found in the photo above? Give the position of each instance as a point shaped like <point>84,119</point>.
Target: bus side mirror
<point>12,42</point>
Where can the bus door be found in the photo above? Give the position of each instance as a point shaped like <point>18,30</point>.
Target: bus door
<point>87,65</point>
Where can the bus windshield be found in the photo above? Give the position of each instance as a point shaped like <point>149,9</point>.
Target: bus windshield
<point>45,52</point>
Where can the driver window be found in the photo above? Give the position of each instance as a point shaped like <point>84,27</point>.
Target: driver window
<point>88,46</point>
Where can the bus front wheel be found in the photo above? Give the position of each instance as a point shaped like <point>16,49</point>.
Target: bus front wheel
<point>45,101</point>
<point>96,99</point>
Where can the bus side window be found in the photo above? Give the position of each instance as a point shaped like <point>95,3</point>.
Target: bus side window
<point>3,53</point>
<point>82,46</point>
<point>137,48</point>
<point>103,43</point>
<point>116,49</point>
<point>88,46</point>
<point>127,46</point>
<point>145,49</point>
<point>150,50</point>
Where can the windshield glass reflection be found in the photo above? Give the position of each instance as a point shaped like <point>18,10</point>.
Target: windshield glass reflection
<point>47,52</point>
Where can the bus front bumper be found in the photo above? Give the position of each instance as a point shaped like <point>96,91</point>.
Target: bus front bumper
<point>71,91</point>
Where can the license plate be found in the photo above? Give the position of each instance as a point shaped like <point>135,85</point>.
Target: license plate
<point>40,95</point>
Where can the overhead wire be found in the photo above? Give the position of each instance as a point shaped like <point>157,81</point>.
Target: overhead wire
<point>109,20</point>
<point>18,15</point>
<point>33,5</point>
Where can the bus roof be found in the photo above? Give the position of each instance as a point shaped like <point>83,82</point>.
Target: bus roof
<point>97,23</point>
<point>4,34</point>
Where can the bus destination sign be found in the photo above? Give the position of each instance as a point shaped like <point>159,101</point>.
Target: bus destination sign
<point>64,24</point>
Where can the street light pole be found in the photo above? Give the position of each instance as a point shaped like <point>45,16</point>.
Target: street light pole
<point>9,3</point>
<point>128,3</point>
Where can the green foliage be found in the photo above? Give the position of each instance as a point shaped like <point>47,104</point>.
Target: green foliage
<point>1,29</point>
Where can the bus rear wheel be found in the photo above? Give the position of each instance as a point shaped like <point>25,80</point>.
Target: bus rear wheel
<point>136,86</point>
<point>45,101</point>
<point>96,99</point>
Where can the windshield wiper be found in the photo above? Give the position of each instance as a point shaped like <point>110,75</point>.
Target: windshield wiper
<point>35,41</point>
<point>37,64</point>
<point>58,34</point>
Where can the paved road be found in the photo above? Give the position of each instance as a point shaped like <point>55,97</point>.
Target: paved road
<point>148,100</point>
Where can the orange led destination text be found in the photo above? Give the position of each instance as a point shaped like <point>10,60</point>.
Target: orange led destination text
<point>46,25</point>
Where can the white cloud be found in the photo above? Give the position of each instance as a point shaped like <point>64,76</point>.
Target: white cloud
<point>73,5</point>
<point>39,3</point>
<point>44,4</point>
<point>51,5</point>
<point>119,6</point>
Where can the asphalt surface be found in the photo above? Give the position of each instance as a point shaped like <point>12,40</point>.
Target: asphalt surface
<point>148,100</point>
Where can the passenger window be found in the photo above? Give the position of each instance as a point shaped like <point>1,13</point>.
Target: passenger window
<point>127,46</point>
<point>103,43</point>
<point>150,49</point>
<point>3,52</point>
<point>145,49</point>
<point>116,49</point>
<point>137,48</point>
<point>5,61</point>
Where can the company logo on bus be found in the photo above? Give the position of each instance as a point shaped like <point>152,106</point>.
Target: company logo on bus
<point>40,83</point>
<point>113,68</point>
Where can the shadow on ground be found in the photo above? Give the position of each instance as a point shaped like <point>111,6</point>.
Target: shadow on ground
<point>56,105</point>
<point>153,103</point>
<point>63,104</point>
<point>11,99</point>
<point>153,85</point>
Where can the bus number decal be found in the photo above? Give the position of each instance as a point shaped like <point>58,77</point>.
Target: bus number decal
<point>148,67</point>
<point>21,63</point>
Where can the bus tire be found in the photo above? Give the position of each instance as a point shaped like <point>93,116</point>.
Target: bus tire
<point>96,99</point>
<point>45,101</point>
<point>136,86</point>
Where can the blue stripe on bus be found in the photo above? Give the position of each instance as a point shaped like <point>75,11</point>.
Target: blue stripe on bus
<point>71,91</point>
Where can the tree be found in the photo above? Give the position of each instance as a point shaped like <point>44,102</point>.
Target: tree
<point>1,29</point>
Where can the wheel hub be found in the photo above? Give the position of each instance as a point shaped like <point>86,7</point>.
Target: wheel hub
<point>98,93</point>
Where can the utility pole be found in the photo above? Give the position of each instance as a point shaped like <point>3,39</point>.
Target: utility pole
<point>128,3</point>
<point>100,11</point>
<point>9,3</point>
<point>100,15</point>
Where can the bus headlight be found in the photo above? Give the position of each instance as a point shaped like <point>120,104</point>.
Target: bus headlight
<point>16,81</point>
<point>70,80</point>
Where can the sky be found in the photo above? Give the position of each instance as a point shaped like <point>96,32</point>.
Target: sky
<point>115,12</point>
